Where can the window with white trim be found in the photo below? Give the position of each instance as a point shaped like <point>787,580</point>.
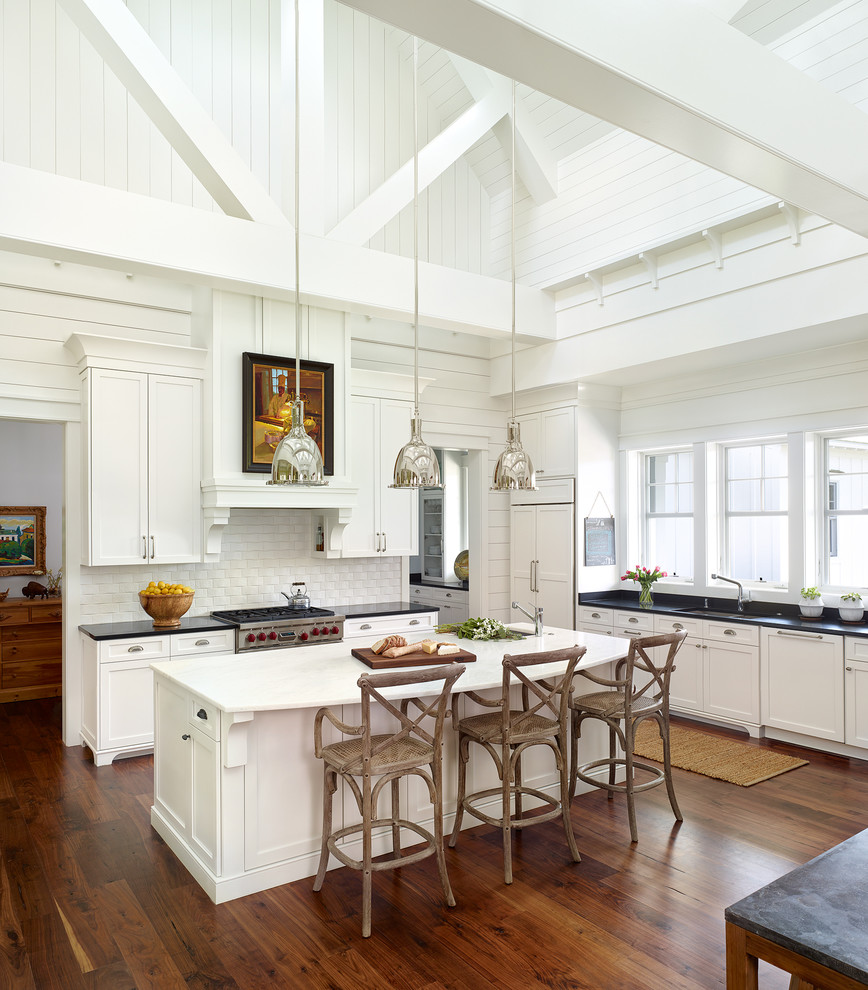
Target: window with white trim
<point>846,510</point>
<point>755,533</point>
<point>668,516</point>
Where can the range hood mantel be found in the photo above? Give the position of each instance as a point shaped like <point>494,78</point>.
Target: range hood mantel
<point>334,503</point>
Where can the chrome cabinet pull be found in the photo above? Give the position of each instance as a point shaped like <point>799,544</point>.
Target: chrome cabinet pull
<point>153,548</point>
<point>797,635</point>
<point>414,622</point>
<point>144,548</point>
<point>677,625</point>
<point>203,642</point>
<point>385,544</point>
<point>365,625</point>
<point>596,615</point>
<point>848,668</point>
<point>729,632</point>
<point>135,649</point>
<point>633,619</point>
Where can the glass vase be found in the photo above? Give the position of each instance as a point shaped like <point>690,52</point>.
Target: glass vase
<point>645,599</point>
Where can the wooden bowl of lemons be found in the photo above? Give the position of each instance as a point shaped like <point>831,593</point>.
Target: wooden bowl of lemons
<point>166,603</point>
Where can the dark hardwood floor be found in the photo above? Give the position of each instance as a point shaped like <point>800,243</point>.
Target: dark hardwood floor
<point>92,899</point>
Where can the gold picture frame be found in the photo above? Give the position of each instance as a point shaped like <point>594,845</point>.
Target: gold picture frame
<point>22,539</point>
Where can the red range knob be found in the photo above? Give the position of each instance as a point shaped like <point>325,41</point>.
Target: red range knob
<point>251,638</point>
<point>325,630</point>
<point>314,631</point>
<point>272,635</point>
<point>302,635</point>
<point>262,637</point>
<point>335,630</point>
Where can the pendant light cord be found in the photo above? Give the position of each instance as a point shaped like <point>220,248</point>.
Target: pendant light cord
<point>513,249</point>
<point>416,224</point>
<point>297,225</point>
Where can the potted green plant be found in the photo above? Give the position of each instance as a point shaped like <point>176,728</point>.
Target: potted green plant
<point>850,607</point>
<point>811,603</point>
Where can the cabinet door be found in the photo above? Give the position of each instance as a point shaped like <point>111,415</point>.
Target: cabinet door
<point>686,682</point>
<point>399,509</point>
<point>554,570</point>
<point>174,473</point>
<point>856,703</point>
<point>360,534</point>
<point>522,553</point>
<point>803,683</point>
<point>117,439</point>
<point>558,427</point>
<point>731,675</point>
<point>126,705</point>
<point>203,757</point>
<point>172,767</point>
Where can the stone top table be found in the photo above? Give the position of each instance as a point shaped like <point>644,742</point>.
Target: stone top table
<point>812,922</point>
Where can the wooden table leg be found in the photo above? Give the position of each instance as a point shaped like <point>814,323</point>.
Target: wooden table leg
<point>742,970</point>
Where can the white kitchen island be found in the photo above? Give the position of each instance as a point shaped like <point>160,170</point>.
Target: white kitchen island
<point>237,789</point>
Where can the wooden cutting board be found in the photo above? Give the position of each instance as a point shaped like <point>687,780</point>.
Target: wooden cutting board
<point>418,659</point>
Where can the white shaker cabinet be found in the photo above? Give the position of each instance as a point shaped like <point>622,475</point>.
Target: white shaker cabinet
<point>385,520</point>
<point>452,602</point>
<point>856,691</point>
<point>541,556</point>
<point>118,687</point>
<point>549,437</point>
<point>187,770</point>
<point>143,450</point>
<point>803,682</point>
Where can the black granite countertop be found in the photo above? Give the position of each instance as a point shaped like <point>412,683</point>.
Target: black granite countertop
<point>380,608</point>
<point>428,582</point>
<point>145,627</point>
<point>818,910</point>
<point>783,616</point>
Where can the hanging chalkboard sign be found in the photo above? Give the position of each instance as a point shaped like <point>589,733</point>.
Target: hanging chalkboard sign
<point>599,541</point>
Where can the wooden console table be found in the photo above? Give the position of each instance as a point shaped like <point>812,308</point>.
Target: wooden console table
<point>31,648</point>
<point>810,923</point>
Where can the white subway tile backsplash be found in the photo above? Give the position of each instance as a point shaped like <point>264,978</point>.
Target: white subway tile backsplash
<point>264,551</point>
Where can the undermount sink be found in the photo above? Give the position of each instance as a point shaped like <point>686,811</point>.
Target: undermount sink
<point>763,610</point>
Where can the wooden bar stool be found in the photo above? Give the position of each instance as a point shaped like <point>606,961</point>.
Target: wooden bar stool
<point>369,762</point>
<point>506,733</point>
<point>640,690</point>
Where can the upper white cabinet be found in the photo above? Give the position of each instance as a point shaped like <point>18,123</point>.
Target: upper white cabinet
<point>385,520</point>
<point>143,441</point>
<point>549,437</point>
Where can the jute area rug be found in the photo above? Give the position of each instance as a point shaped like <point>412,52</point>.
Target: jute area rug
<point>723,759</point>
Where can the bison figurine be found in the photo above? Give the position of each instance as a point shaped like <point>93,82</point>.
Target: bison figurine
<point>34,590</point>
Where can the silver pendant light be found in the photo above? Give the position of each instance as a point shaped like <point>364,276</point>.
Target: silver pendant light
<point>297,460</point>
<point>416,465</point>
<point>514,468</point>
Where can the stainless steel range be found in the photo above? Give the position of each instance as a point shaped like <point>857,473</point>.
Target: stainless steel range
<point>282,626</point>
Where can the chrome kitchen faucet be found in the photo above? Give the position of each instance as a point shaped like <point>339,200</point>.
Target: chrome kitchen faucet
<point>535,617</point>
<point>743,596</point>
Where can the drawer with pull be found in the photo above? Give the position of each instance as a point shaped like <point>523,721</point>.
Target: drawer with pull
<point>407,624</point>
<point>145,648</point>
<point>590,616</point>
<point>205,717</point>
<point>633,623</point>
<point>214,641</point>
<point>736,632</point>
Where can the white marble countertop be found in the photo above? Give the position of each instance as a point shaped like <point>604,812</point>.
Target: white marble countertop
<point>327,674</point>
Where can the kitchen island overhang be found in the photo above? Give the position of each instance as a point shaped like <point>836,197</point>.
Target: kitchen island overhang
<point>237,788</point>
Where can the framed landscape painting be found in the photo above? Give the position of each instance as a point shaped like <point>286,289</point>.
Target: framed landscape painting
<point>268,391</point>
<point>22,539</point>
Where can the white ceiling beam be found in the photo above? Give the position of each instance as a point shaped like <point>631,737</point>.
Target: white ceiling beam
<point>535,164</point>
<point>664,70</point>
<point>63,219</point>
<point>387,201</point>
<point>140,66</point>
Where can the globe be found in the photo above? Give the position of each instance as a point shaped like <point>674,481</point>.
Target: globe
<point>461,565</point>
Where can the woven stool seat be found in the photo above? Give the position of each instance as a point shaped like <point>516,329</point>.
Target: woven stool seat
<point>388,756</point>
